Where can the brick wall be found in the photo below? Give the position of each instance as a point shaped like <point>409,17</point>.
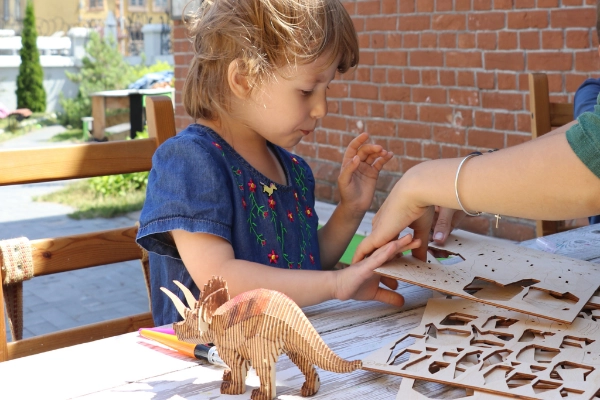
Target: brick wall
<point>442,78</point>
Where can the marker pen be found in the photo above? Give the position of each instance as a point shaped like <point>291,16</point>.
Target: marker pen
<point>199,351</point>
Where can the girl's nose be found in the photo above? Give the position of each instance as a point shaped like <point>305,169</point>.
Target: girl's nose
<point>319,108</point>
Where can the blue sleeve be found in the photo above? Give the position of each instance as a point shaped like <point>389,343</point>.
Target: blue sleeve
<point>586,97</point>
<point>187,190</point>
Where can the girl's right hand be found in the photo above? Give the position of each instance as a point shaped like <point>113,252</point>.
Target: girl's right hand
<point>359,282</point>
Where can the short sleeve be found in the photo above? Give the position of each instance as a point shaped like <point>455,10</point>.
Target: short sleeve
<point>188,190</point>
<point>584,139</point>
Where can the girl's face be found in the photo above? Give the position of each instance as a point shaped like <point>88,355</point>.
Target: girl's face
<point>286,108</point>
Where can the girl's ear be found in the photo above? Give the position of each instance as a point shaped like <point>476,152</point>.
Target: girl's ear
<point>238,83</point>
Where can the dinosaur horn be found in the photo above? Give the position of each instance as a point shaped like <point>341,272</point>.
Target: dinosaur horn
<point>178,303</point>
<point>189,297</point>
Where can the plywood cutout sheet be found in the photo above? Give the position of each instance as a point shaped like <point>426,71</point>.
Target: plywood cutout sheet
<point>504,275</point>
<point>496,351</point>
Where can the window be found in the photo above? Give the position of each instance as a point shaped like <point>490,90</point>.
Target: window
<point>161,4</point>
<point>96,3</point>
<point>137,3</point>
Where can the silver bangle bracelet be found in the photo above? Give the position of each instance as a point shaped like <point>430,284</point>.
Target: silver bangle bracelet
<point>475,154</point>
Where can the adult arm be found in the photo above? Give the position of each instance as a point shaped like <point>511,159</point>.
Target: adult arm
<point>540,179</point>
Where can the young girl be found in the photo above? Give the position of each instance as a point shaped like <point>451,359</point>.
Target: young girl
<point>224,198</point>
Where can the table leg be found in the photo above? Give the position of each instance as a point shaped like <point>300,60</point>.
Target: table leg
<point>99,115</point>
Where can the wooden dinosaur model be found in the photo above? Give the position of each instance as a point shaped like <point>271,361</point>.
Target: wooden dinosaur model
<point>254,328</point>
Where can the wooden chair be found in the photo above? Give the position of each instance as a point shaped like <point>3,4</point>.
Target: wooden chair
<point>545,116</point>
<point>68,253</point>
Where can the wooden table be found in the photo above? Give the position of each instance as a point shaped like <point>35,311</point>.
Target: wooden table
<point>131,367</point>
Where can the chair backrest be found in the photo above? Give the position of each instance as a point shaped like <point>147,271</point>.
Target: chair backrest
<point>545,116</point>
<point>68,253</point>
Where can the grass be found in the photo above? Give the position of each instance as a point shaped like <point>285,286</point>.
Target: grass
<point>70,135</point>
<point>89,204</point>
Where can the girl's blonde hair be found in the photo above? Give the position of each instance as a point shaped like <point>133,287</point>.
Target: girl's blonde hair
<point>263,35</point>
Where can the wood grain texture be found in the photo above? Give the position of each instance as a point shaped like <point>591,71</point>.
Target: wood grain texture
<point>504,275</point>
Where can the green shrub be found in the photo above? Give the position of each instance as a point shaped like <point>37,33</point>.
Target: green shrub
<point>30,81</point>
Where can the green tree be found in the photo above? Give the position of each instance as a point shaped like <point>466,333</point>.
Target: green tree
<point>30,88</point>
<point>103,68</point>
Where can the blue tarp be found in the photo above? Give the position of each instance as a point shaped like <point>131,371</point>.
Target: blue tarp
<point>152,78</point>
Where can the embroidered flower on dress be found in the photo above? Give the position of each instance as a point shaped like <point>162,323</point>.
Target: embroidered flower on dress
<point>273,257</point>
<point>252,186</point>
<point>241,187</point>
<point>290,216</point>
<point>295,160</point>
<point>263,242</point>
<point>272,202</point>
<point>296,196</point>
<point>308,211</point>
<point>312,259</point>
<point>265,214</point>
<point>217,145</point>
<point>244,203</point>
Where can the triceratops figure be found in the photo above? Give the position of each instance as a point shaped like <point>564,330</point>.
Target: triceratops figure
<point>255,327</point>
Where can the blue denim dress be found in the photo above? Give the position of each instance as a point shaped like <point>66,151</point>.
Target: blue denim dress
<point>199,183</point>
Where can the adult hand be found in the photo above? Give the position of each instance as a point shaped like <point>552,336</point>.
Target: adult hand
<point>359,282</point>
<point>360,170</point>
<point>444,222</point>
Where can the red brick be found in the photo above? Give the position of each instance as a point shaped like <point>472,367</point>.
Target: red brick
<point>485,139</point>
<point>429,77</point>
<point>449,22</point>
<point>461,59</point>
<point>464,97</point>
<point>462,5</point>
<point>503,4</point>
<point>412,77</point>
<point>362,109</point>
<point>347,107</point>
<point>330,153</point>
<point>381,24</point>
<point>506,61</point>
<point>507,40</point>
<point>487,21</point>
<point>377,110</point>
<point>502,100</point>
<point>527,19</point>
<point>428,95</point>
<point>396,146</point>
<point>408,163</point>
<point>443,5</point>
<point>410,112</point>
<point>425,6</point>
<point>395,93</point>
<point>426,58</point>
<point>334,122</point>
<point>482,5</point>
<point>573,17</point>
<point>483,119</point>
<point>363,74</point>
<point>333,107</point>
<point>514,139</point>
<point>368,7</point>
<point>447,78</point>
<point>486,40</point>
<point>379,75</point>
<point>524,122</point>
<point>573,81</point>
<point>367,57</point>
<point>447,134</point>
<point>552,39</point>
<point>547,3</point>
<point>334,139</point>
<point>577,39</point>
<point>410,40</point>
<point>338,90</point>
<point>447,40</point>
<point>407,7</point>
<point>413,23</point>
<point>408,130</point>
<point>394,40</point>
<point>587,61</point>
<point>377,41</point>
<point>432,151</point>
<point>504,121</point>
<point>507,229</point>
<point>549,61</point>
<point>396,58</point>
<point>466,40</point>
<point>506,81</point>
<point>428,40</point>
<point>485,80</point>
<point>449,152</point>
<point>439,114</point>
<point>389,7</point>
<point>529,40</point>
<point>394,75</point>
<point>381,128</point>
<point>480,225</point>
<point>393,111</point>
<point>524,4</point>
<point>413,149</point>
<point>577,3</point>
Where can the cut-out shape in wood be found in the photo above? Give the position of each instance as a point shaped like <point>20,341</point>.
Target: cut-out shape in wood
<point>254,329</point>
<point>505,275</point>
<point>505,353</point>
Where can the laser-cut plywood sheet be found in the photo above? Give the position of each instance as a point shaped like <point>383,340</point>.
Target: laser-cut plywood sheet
<point>407,392</point>
<point>492,350</point>
<point>504,275</point>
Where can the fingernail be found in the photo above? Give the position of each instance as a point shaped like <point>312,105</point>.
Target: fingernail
<point>438,236</point>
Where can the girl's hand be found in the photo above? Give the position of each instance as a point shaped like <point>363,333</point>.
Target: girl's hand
<point>359,282</point>
<point>360,170</point>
